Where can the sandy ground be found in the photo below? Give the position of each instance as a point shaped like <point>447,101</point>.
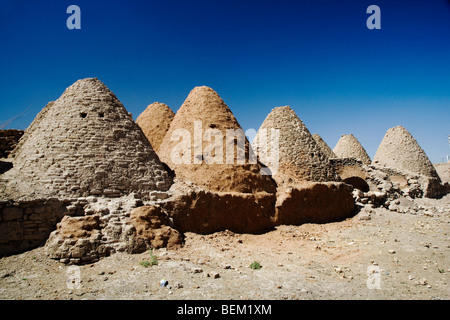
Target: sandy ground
<point>377,254</point>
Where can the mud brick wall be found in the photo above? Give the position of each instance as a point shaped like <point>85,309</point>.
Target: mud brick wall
<point>26,225</point>
<point>8,141</point>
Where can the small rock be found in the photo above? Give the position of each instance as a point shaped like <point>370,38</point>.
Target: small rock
<point>422,282</point>
<point>338,269</point>
<point>391,251</point>
<point>196,270</point>
<point>365,217</point>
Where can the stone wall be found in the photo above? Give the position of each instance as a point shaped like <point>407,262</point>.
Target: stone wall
<point>25,225</point>
<point>8,141</point>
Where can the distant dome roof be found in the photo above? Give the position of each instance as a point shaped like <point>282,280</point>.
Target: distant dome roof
<point>349,147</point>
<point>299,155</point>
<point>399,150</point>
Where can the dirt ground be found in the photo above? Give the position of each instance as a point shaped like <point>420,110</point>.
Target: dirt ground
<point>377,254</point>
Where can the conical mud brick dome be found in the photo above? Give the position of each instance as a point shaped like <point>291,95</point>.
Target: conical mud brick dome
<point>399,150</point>
<point>349,147</point>
<point>323,146</point>
<point>299,156</point>
<point>86,143</point>
<point>155,121</point>
<point>206,145</point>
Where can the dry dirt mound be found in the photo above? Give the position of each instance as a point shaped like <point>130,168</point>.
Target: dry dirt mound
<point>399,150</point>
<point>349,147</point>
<point>155,121</point>
<point>86,143</point>
<point>206,145</point>
<point>298,157</point>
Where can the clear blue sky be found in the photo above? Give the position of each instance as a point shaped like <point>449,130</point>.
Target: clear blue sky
<point>316,56</point>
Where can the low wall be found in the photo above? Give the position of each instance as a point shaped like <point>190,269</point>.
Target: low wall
<point>25,225</point>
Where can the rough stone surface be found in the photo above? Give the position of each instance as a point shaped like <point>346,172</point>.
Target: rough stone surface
<point>77,240</point>
<point>30,130</point>
<point>86,143</point>
<point>299,156</point>
<point>24,225</point>
<point>353,172</point>
<point>381,186</point>
<point>8,141</point>
<point>349,147</point>
<point>198,148</point>
<point>155,121</point>
<point>399,150</point>
<point>103,227</point>
<point>323,146</point>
